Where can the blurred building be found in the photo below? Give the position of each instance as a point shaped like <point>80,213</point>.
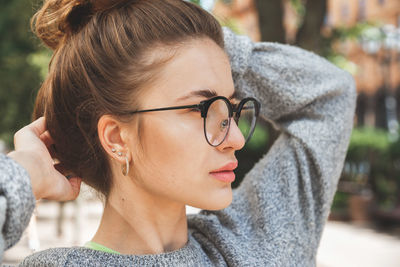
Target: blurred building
<point>378,72</point>
<point>348,13</point>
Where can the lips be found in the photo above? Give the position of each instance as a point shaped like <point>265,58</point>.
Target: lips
<point>228,167</point>
<point>225,173</point>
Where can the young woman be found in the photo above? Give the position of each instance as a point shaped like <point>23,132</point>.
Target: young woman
<point>143,100</point>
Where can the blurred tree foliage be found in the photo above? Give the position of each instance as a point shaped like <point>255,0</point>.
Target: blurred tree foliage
<point>195,1</point>
<point>372,148</point>
<point>20,79</point>
<point>311,19</point>
<point>270,16</point>
<point>373,164</point>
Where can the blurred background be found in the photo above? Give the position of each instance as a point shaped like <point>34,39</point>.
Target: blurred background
<point>360,36</point>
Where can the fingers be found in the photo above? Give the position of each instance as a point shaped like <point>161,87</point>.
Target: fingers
<point>60,168</point>
<point>30,134</point>
<point>35,137</point>
<point>65,189</point>
<point>49,143</point>
<point>46,138</point>
<point>38,126</point>
<point>46,176</point>
<point>75,186</point>
<point>72,190</point>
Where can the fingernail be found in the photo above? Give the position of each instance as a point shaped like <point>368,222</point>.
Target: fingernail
<point>75,181</point>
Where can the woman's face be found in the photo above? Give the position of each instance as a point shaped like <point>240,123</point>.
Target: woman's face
<point>174,160</point>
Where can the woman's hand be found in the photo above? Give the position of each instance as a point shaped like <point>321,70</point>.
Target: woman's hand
<point>32,146</point>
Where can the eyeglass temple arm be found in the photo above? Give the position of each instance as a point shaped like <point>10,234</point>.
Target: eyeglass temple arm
<point>166,108</point>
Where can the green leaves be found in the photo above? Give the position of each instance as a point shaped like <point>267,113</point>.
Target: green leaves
<point>366,140</point>
<point>19,79</point>
<point>374,162</point>
<point>195,1</point>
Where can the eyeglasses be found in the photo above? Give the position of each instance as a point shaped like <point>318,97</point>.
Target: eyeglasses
<point>217,113</point>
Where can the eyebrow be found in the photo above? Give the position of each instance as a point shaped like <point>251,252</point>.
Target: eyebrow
<point>207,93</point>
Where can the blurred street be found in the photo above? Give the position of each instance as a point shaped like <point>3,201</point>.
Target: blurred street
<point>342,244</point>
<point>350,245</point>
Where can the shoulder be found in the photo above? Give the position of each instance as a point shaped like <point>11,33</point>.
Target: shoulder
<point>74,256</point>
<point>48,257</point>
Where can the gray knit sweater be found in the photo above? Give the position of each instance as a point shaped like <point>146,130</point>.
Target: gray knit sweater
<point>279,211</point>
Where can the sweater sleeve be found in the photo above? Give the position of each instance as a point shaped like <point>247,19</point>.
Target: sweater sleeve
<point>16,202</point>
<point>282,204</point>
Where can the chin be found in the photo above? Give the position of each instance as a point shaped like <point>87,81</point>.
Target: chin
<point>221,207</point>
<point>217,202</point>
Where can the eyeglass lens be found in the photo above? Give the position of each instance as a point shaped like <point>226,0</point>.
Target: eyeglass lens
<point>247,119</point>
<point>217,122</point>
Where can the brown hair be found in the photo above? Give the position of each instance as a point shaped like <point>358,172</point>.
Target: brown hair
<point>99,64</point>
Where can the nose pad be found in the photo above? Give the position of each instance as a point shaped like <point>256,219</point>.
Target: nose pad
<point>234,137</point>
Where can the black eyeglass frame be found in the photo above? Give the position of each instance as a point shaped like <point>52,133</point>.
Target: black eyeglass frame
<point>203,107</point>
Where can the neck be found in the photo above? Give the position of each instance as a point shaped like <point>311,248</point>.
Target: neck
<point>135,222</point>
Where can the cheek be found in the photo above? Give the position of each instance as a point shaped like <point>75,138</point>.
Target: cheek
<point>174,149</point>
<point>174,138</point>
<point>175,163</point>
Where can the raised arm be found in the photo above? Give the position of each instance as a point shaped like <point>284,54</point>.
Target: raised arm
<point>28,173</point>
<point>16,202</point>
<point>282,205</point>
<point>312,102</point>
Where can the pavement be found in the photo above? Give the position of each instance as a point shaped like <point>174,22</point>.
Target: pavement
<point>354,245</point>
<point>342,244</point>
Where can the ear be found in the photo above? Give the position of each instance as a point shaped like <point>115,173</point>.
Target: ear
<point>112,135</point>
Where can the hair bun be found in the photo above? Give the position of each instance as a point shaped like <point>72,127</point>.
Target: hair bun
<point>58,18</point>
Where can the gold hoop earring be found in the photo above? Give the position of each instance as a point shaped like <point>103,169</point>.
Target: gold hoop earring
<point>125,169</point>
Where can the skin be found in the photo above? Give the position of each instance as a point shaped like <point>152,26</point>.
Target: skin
<point>170,167</point>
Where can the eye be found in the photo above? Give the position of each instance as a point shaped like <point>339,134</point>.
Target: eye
<point>224,124</point>
<point>194,110</point>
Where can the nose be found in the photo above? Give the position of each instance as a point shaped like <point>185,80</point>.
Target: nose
<point>234,138</point>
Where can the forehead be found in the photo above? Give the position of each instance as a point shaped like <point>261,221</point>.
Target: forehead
<point>196,65</point>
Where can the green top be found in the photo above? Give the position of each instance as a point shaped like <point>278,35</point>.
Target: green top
<point>96,246</point>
